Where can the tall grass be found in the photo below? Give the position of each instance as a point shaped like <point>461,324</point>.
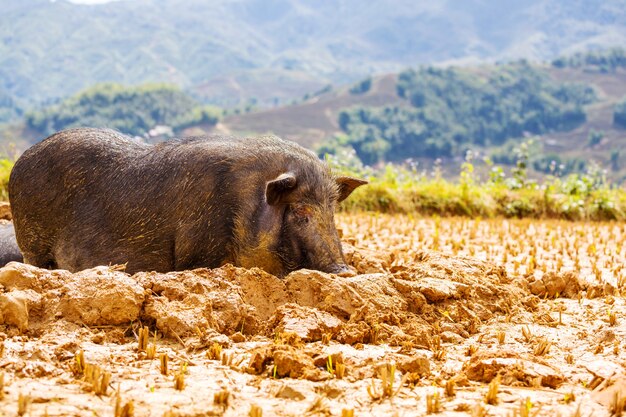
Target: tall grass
<point>402,189</point>
<point>5,171</point>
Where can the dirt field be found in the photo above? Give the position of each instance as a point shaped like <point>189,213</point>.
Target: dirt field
<point>449,316</point>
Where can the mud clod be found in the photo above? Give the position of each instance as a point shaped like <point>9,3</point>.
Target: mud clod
<point>417,363</point>
<point>293,364</point>
<point>14,308</point>
<point>513,370</point>
<point>310,324</point>
<point>552,285</point>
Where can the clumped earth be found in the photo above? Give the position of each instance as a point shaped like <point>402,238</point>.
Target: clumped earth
<point>454,316</point>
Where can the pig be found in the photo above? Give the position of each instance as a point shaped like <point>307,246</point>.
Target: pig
<point>9,251</point>
<point>85,197</point>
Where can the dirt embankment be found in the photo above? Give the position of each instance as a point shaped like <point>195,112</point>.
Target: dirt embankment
<point>376,343</point>
<point>398,305</point>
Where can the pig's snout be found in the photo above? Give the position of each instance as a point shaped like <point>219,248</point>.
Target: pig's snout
<point>340,269</point>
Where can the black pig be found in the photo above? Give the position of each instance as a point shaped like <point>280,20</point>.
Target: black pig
<point>9,251</point>
<point>86,197</point>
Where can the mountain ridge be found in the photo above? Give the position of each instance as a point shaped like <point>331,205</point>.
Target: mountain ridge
<point>50,50</point>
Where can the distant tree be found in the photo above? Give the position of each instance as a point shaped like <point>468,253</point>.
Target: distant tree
<point>9,107</point>
<point>560,62</point>
<point>207,115</point>
<point>326,89</point>
<point>619,114</point>
<point>344,120</point>
<point>361,87</point>
<point>615,165</point>
<point>595,137</point>
<point>604,60</point>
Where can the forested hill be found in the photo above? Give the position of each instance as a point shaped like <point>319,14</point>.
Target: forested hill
<point>573,109</point>
<point>131,110</point>
<point>231,51</point>
<point>451,109</point>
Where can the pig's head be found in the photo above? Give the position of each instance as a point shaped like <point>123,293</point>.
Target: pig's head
<point>308,237</point>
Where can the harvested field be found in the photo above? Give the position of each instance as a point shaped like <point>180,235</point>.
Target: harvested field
<point>449,316</point>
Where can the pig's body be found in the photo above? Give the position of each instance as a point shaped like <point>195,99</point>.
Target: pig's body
<point>87,197</point>
<point>9,251</point>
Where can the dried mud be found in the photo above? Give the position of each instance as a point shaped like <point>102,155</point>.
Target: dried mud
<point>386,341</point>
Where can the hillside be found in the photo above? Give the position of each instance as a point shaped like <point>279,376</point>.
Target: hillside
<point>273,51</point>
<point>316,119</point>
<point>311,121</point>
<point>423,114</point>
<point>611,88</point>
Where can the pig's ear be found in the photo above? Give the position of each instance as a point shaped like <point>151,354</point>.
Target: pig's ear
<point>277,190</point>
<point>347,185</point>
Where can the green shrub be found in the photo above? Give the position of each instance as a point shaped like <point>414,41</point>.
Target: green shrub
<point>398,189</point>
<point>6,166</point>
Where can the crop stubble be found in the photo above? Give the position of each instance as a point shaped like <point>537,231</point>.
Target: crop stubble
<point>451,316</point>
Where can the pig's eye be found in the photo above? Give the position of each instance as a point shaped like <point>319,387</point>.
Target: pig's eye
<point>302,213</point>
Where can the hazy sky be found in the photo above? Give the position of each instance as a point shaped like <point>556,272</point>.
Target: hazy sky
<point>91,1</point>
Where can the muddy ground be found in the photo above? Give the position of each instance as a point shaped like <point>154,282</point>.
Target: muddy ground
<point>450,316</point>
